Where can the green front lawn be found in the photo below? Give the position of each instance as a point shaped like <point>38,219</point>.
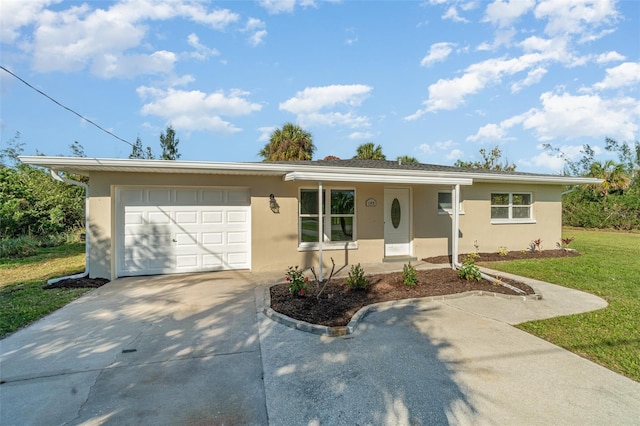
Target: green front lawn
<point>610,268</point>
<point>22,297</point>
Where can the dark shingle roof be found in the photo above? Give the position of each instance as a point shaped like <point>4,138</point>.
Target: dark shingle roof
<point>395,165</point>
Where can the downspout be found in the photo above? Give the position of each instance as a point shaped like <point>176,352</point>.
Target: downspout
<point>455,226</point>
<point>59,178</point>
<point>320,229</point>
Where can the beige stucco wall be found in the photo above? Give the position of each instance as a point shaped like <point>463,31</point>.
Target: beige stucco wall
<point>274,237</point>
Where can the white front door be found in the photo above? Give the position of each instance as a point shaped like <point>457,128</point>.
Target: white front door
<point>397,222</point>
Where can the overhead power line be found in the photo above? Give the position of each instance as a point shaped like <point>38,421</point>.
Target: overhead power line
<point>65,107</point>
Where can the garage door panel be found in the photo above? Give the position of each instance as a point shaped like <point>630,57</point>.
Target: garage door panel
<point>185,240</point>
<point>237,237</point>
<point>212,196</point>
<point>187,230</point>
<point>212,260</point>
<point>132,197</point>
<point>235,216</point>
<point>186,197</point>
<point>212,218</point>
<point>238,198</point>
<point>186,217</point>
<point>187,261</point>
<point>159,196</point>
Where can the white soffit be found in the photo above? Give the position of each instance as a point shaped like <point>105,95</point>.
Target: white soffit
<point>375,178</point>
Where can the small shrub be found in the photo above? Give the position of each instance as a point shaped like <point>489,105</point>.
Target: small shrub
<point>523,251</point>
<point>502,251</point>
<point>567,241</point>
<point>356,279</point>
<point>409,275</point>
<point>469,271</point>
<point>297,281</point>
<point>536,245</point>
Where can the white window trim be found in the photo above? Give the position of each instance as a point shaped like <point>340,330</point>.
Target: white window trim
<point>449,211</point>
<point>511,220</point>
<point>327,244</point>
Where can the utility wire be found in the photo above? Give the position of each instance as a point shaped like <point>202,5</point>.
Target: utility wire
<point>67,108</point>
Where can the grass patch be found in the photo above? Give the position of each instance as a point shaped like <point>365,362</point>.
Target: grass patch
<point>22,298</point>
<point>608,268</point>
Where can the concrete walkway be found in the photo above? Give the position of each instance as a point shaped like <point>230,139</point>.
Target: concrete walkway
<point>196,349</point>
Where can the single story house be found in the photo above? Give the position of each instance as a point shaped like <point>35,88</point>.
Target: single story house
<point>158,217</point>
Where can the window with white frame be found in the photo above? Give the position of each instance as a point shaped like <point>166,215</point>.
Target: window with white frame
<point>445,202</point>
<point>338,216</point>
<point>511,207</point>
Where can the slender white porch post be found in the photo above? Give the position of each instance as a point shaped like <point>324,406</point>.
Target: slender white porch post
<point>455,224</point>
<point>320,230</point>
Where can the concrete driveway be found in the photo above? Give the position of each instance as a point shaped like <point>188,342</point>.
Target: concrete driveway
<point>196,349</point>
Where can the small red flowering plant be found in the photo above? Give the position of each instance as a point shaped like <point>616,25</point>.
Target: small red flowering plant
<point>297,281</point>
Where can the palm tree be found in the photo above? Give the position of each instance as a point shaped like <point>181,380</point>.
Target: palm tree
<point>407,159</point>
<point>369,151</point>
<point>613,174</point>
<point>291,143</point>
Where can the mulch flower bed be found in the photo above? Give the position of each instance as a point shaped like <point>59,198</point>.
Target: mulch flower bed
<point>337,303</point>
<point>512,255</point>
<point>78,283</point>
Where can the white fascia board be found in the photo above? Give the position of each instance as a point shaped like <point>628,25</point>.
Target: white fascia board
<point>388,177</point>
<point>537,179</point>
<point>80,164</point>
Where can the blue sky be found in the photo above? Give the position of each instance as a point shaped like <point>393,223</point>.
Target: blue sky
<point>436,80</point>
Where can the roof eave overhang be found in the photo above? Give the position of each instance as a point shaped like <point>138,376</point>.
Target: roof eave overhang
<point>375,178</point>
<point>85,166</point>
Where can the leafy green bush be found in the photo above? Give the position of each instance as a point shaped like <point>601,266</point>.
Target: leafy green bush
<point>26,245</point>
<point>469,271</point>
<point>581,208</point>
<point>32,203</point>
<point>356,279</point>
<point>297,281</point>
<point>409,275</point>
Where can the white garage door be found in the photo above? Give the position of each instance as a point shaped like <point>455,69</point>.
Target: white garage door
<point>174,230</point>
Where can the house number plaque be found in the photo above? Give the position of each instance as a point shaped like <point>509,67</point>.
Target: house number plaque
<point>371,202</point>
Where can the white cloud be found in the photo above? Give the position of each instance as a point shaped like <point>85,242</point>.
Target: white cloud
<point>490,132</point>
<point>257,31</point>
<point>575,16</point>
<point>17,14</point>
<point>313,99</point>
<point>612,56</point>
<point>275,7</point>
<point>626,74</point>
<point>554,161</point>
<point>195,110</point>
<point>437,52</point>
<point>455,154</point>
<point>361,135</point>
<point>452,14</point>
<point>534,76</point>
<point>425,148</point>
<point>444,145</point>
<point>265,133</point>
<point>449,94</point>
<point>505,13</point>
<point>569,116</point>
<point>111,66</point>
<point>104,40</point>
<point>309,104</point>
<point>201,52</point>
